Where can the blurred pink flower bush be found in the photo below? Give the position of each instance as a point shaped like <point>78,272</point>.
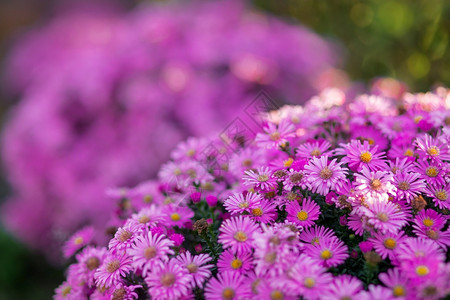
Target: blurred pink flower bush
<point>105,96</point>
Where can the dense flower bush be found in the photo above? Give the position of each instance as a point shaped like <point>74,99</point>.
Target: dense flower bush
<point>337,199</point>
<point>106,96</point>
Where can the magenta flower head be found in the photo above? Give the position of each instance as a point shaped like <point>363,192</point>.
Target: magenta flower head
<point>305,214</point>
<point>80,239</point>
<point>237,233</point>
<point>168,280</point>
<point>324,175</point>
<point>366,246</point>
<point>211,200</point>
<point>227,285</point>
<point>113,267</point>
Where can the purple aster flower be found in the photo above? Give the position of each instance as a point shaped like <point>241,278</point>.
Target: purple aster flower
<point>124,237</point>
<point>197,266</point>
<point>371,135</point>
<point>245,160</point>
<point>88,261</point>
<point>316,234</point>
<point>68,291</point>
<point>149,216</point>
<point>432,148</point>
<point>261,179</point>
<point>406,151</point>
<point>428,219</point>
<point>113,267</point>
<point>441,238</point>
<point>177,215</point>
<point>385,216</point>
<point>366,246</point>
<point>376,292</point>
<point>237,233</point>
<point>386,244</point>
<point>440,195</point>
<point>239,203</point>
<point>313,149</point>
<point>227,285</point>
<point>343,287</point>
<point>397,282</point>
<point>295,178</point>
<point>408,185</point>
<point>401,165</point>
<point>414,248</point>
<point>430,171</point>
<point>78,240</point>
<point>358,155</point>
<point>230,261</point>
<point>274,135</point>
<point>303,215</point>
<point>331,252</point>
<point>374,185</point>
<point>124,292</point>
<point>264,212</point>
<point>324,175</point>
<point>150,250</point>
<point>168,280</point>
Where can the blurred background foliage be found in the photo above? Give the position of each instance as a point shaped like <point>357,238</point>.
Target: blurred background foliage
<point>404,39</point>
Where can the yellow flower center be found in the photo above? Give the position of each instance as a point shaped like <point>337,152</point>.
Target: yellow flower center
<point>168,279</point>
<point>113,266</point>
<point>366,156</point>
<point>190,152</point>
<point>375,184</point>
<point>398,291</point>
<point>78,240</point>
<point>275,136</point>
<point>243,204</point>
<point>315,241</point>
<point>404,185</point>
<point>177,172</point>
<point>288,162</point>
<point>441,195</point>
<point>66,291</point>
<point>431,172</point>
<point>124,236</point>
<point>428,222</point>
<point>192,268</point>
<point>326,254</point>
<point>302,215</point>
<point>422,270</point>
<point>433,151</point>
<point>382,217</point>
<point>175,217</point>
<point>257,212</point>
<point>390,243</point>
<point>236,263</point>
<point>309,282</point>
<point>240,236</point>
<point>315,152</point>
<point>409,152</point>
<point>148,198</point>
<point>326,173</point>
<point>263,178</point>
<point>432,234</point>
<point>276,295</point>
<point>144,219</point>
<point>150,252</point>
<point>228,294</point>
<point>247,163</point>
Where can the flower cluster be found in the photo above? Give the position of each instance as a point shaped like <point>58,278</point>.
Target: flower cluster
<point>106,95</point>
<point>339,199</point>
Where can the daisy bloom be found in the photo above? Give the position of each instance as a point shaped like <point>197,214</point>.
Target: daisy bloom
<point>177,215</point>
<point>440,195</point>
<point>227,286</point>
<point>376,292</point>
<point>303,215</point>
<point>331,252</point>
<point>316,234</point>
<point>313,149</point>
<point>415,248</point>
<point>324,175</point>
<point>386,244</point>
<point>239,203</point>
<point>113,267</point>
<point>237,233</point>
<point>124,237</point>
<point>428,219</point>
<point>261,179</point>
<point>235,262</point>
<point>358,155</point>
<point>264,212</point>
<point>198,267</point>
<point>431,171</point>
<point>68,291</point>
<point>88,261</point>
<point>294,178</point>
<point>168,281</point>
<point>385,216</point>
<point>442,238</point>
<point>124,292</point>
<point>375,185</point>
<point>408,185</point>
<point>397,282</point>
<point>275,136</point>
<point>78,240</point>
<point>343,287</point>
<point>149,216</point>
<point>432,148</point>
<point>150,250</point>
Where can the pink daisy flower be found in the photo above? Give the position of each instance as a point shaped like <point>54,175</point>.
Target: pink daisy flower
<point>150,250</point>
<point>235,262</point>
<point>374,185</point>
<point>358,155</point>
<point>261,179</point>
<point>376,292</point>
<point>124,292</point>
<point>189,149</point>
<point>264,213</point>
<point>421,268</point>
<point>197,266</point>
<point>343,287</point>
<point>406,151</point>
<point>428,219</point>
<point>397,282</point>
<point>124,237</point>
<point>313,149</point>
<point>237,233</point>
<point>440,195</point>
<point>331,252</point>
<point>78,240</point>
<point>357,223</point>
<point>275,136</point>
<point>177,215</point>
<point>316,234</point>
<point>408,185</point>
<point>415,248</point>
<point>430,171</point>
<point>294,178</point>
<point>239,203</point>
<point>245,160</point>
<point>276,289</point>
<point>385,216</point>
<point>68,291</point>
<point>149,216</point>
<point>227,285</point>
<point>442,238</point>
<point>369,134</point>
<point>168,281</point>
<point>324,175</point>
<point>88,261</point>
<point>432,148</point>
<point>386,244</point>
<point>113,267</point>
<point>400,165</point>
<point>303,215</point>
